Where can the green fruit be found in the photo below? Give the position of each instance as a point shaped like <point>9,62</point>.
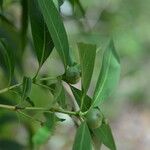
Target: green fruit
<point>72,74</point>
<point>94,118</point>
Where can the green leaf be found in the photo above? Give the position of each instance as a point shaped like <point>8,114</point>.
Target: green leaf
<point>108,77</point>
<point>45,132</point>
<point>59,94</point>
<point>83,139</point>
<point>105,136</point>
<point>78,96</point>
<point>27,83</point>
<point>24,23</point>
<point>79,9</point>
<point>87,54</point>
<point>41,96</point>
<point>42,39</point>
<point>7,58</point>
<point>56,4</point>
<point>56,29</point>
<point>61,99</point>
<point>96,142</point>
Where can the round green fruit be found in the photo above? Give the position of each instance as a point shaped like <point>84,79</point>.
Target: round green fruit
<point>72,74</point>
<point>94,118</point>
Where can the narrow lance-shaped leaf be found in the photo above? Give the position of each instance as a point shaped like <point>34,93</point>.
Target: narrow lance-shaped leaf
<point>108,77</point>
<point>7,58</point>
<point>78,96</point>
<point>42,40</point>
<point>56,4</point>
<point>27,83</point>
<point>83,139</point>
<point>104,135</point>
<point>56,29</point>
<point>87,54</point>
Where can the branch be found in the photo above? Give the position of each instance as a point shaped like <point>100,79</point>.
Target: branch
<point>10,88</point>
<point>57,110</point>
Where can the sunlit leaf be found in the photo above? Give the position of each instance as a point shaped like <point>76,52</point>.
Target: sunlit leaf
<point>56,29</point>
<point>41,37</point>
<point>105,136</point>
<point>87,54</point>
<point>83,139</point>
<point>108,77</point>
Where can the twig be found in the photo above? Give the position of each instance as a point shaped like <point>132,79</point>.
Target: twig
<point>17,108</point>
<point>10,88</point>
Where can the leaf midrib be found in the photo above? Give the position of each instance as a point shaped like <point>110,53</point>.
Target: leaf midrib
<point>105,78</point>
